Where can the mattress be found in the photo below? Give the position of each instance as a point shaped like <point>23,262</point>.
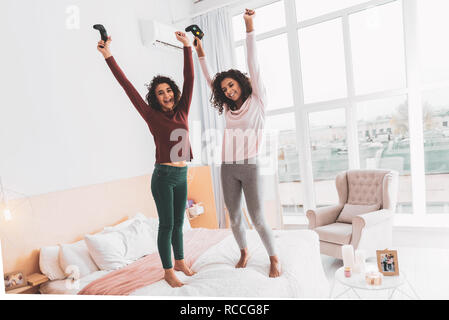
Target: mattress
<point>302,274</point>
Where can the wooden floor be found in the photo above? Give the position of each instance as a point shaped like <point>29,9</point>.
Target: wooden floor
<point>427,270</point>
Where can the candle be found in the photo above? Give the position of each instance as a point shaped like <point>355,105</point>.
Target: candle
<point>373,278</point>
<point>347,251</point>
<point>2,281</point>
<point>347,272</point>
<point>359,261</point>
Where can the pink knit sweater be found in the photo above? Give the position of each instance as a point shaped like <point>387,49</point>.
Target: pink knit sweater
<point>244,127</point>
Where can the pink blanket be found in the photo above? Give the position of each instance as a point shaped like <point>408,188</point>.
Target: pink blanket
<point>148,269</point>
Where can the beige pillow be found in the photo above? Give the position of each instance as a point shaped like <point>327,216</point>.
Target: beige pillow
<point>351,210</point>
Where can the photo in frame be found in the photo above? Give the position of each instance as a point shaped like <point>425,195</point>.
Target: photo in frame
<point>387,262</point>
<point>14,280</point>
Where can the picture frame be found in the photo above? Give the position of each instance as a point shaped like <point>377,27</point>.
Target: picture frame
<point>14,280</point>
<point>387,262</point>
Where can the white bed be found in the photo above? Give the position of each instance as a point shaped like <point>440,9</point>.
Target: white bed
<point>302,272</point>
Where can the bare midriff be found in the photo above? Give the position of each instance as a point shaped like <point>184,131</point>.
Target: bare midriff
<point>175,164</point>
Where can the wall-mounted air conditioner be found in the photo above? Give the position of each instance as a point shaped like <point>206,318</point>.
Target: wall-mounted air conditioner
<point>157,34</point>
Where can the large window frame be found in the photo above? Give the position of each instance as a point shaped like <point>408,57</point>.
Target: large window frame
<point>413,90</point>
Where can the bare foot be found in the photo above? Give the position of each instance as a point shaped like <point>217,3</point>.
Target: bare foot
<point>171,278</point>
<point>180,265</point>
<point>243,258</point>
<point>275,268</point>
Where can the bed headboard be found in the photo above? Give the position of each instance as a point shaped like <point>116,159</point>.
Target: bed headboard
<point>66,216</point>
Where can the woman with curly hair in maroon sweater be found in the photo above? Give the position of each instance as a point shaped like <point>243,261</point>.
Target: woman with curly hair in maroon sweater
<point>166,112</point>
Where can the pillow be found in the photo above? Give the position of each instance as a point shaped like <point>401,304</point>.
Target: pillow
<point>75,260</point>
<point>114,249</point>
<point>49,263</point>
<point>107,250</point>
<point>186,226</point>
<point>351,210</point>
<point>124,224</point>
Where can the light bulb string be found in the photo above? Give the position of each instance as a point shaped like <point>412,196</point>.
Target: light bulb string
<point>19,203</point>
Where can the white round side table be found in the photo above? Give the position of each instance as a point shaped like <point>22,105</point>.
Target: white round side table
<point>357,281</point>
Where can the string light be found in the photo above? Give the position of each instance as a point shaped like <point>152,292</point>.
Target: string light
<point>6,211</point>
<point>7,215</point>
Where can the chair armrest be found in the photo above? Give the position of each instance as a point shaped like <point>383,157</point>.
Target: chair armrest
<point>323,216</point>
<point>372,218</point>
<point>368,220</point>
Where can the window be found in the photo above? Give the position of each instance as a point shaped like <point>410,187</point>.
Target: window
<point>306,9</point>
<point>436,149</point>
<point>434,54</point>
<point>434,49</point>
<point>329,152</point>
<point>391,150</point>
<point>323,61</point>
<point>291,188</point>
<point>275,70</point>
<point>269,18</point>
<point>377,41</point>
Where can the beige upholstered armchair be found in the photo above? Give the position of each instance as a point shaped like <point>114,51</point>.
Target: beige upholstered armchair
<point>364,216</point>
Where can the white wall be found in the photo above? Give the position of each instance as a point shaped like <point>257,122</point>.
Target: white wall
<point>64,120</point>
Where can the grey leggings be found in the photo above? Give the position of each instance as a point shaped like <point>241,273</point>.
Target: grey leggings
<point>234,178</point>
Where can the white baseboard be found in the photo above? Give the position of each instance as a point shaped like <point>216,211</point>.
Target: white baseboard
<point>416,237</point>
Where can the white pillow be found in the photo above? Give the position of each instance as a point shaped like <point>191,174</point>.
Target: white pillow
<point>107,250</point>
<point>186,226</point>
<point>115,249</point>
<point>124,224</point>
<point>75,260</point>
<point>154,225</point>
<point>49,263</point>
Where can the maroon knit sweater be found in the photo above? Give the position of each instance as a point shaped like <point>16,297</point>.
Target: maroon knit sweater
<point>164,125</point>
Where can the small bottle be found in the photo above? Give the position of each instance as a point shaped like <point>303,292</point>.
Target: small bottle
<point>347,272</point>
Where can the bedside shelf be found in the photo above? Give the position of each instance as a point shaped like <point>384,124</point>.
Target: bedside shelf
<point>34,281</point>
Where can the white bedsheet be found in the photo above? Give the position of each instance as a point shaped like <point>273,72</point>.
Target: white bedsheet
<point>302,271</point>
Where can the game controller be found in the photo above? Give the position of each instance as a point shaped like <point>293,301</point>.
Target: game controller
<point>196,31</point>
<point>103,33</point>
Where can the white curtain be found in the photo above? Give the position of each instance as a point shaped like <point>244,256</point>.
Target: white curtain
<point>217,44</point>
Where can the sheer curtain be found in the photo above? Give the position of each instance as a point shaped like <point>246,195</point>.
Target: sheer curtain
<point>217,43</point>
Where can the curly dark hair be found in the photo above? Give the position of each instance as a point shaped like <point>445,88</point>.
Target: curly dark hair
<point>151,95</point>
<point>219,99</point>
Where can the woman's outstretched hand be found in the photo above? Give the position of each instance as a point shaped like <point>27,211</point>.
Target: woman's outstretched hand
<point>198,45</point>
<point>105,51</point>
<point>248,17</point>
<point>181,37</point>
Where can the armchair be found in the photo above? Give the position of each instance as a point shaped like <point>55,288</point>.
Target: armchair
<point>364,216</point>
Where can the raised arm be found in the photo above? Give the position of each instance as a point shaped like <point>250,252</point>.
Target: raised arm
<point>203,62</point>
<point>141,106</point>
<point>187,89</point>
<point>251,54</point>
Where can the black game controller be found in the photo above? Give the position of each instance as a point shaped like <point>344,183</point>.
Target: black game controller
<point>196,31</point>
<point>103,33</point>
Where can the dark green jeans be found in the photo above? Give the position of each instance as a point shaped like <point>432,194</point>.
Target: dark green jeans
<point>169,189</point>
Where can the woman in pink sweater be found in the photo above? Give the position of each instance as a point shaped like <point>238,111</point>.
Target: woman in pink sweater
<point>243,99</point>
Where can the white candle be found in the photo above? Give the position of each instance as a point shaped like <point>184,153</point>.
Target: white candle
<point>347,252</point>
<point>2,282</point>
<point>359,263</point>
